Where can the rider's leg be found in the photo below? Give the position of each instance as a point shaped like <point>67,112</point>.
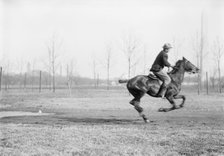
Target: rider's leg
<point>166,80</point>
<point>162,90</point>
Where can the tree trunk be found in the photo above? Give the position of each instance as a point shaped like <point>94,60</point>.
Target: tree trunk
<point>129,67</point>
<point>53,79</point>
<point>53,67</point>
<point>108,73</point>
<point>201,53</point>
<point>219,73</point>
<point>40,81</point>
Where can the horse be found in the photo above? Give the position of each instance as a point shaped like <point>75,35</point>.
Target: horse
<point>140,85</point>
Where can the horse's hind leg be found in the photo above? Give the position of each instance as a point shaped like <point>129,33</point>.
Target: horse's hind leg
<point>136,102</point>
<point>140,111</point>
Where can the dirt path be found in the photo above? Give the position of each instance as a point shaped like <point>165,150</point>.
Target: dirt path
<point>5,114</point>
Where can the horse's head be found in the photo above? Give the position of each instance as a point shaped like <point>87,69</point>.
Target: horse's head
<point>189,67</point>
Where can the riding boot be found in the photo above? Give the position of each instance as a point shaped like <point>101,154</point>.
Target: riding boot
<point>162,91</point>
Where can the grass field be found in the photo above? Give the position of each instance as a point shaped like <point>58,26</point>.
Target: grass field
<point>101,122</point>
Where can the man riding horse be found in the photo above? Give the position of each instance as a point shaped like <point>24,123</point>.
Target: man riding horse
<point>140,85</point>
<point>157,68</point>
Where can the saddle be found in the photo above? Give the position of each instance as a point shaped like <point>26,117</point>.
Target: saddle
<point>152,76</point>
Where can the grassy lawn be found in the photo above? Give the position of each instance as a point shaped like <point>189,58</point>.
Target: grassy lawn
<point>99,122</point>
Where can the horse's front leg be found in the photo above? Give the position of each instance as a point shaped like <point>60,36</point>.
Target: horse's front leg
<point>172,102</point>
<point>180,97</point>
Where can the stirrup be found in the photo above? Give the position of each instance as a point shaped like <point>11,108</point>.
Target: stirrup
<point>162,97</point>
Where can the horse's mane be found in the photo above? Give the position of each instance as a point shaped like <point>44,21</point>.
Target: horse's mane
<point>177,64</point>
<point>176,67</point>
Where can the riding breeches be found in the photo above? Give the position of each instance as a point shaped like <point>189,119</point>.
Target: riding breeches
<point>163,76</point>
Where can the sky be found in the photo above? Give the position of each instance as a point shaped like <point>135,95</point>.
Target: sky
<point>84,28</point>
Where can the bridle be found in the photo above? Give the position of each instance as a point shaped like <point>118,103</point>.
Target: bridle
<point>194,68</point>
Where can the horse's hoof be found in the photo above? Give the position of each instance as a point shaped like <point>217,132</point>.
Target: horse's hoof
<point>146,121</point>
<point>181,106</point>
<point>164,110</point>
<point>177,107</point>
<point>161,110</point>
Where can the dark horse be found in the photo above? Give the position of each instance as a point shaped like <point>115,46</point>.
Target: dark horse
<point>141,84</point>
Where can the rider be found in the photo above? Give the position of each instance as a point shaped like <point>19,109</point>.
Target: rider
<point>157,68</point>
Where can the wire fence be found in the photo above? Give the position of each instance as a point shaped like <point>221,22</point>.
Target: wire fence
<point>41,80</point>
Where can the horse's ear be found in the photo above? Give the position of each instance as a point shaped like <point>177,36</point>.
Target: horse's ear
<point>184,58</point>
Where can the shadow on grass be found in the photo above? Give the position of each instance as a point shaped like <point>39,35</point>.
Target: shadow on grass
<point>103,120</point>
<point>62,120</point>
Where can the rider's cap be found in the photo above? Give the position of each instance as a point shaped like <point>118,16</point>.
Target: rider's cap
<point>167,46</point>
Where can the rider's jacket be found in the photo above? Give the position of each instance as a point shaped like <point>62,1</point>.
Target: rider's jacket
<point>160,61</point>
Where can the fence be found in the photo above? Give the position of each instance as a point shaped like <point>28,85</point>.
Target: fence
<point>41,80</point>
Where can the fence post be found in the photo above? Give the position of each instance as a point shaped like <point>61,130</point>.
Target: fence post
<point>40,82</point>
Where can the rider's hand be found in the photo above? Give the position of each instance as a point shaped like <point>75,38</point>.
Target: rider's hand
<point>174,67</point>
<point>171,67</point>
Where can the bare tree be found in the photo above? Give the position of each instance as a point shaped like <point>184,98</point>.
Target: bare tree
<point>69,80</point>
<point>199,43</point>
<point>60,69</point>
<point>95,63</point>
<point>53,48</point>
<point>201,51</point>
<point>196,49</point>
<point>130,45</point>
<point>70,72</point>
<point>94,72</point>
<point>20,66</point>
<point>6,70</point>
<point>212,77</point>
<point>33,74</point>
<point>47,66</point>
<point>107,63</point>
<point>218,53</point>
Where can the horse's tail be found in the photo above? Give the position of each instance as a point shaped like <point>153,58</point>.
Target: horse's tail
<point>123,81</point>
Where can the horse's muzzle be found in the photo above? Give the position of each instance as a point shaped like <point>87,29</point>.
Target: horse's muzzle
<point>195,71</point>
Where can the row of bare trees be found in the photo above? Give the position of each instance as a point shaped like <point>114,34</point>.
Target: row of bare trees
<point>134,52</point>
<point>215,53</point>
<point>132,49</point>
<point>202,50</point>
